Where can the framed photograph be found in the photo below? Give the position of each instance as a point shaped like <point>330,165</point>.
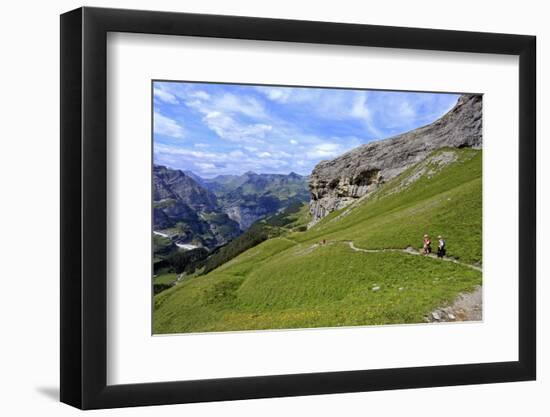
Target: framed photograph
<point>258,208</point>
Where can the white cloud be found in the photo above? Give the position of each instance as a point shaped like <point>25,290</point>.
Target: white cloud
<point>291,94</point>
<point>221,113</point>
<point>279,129</point>
<point>279,94</point>
<point>206,166</point>
<point>261,142</point>
<point>328,104</point>
<point>203,95</point>
<point>176,150</point>
<point>236,154</point>
<point>163,125</point>
<point>406,110</point>
<point>228,128</point>
<point>209,164</point>
<point>359,108</point>
<point>333,104</point>
<point>324,150</point>
<point>231,103</point>
<point>226,103</point>
<point>165,96</point>
<point>329,150</point>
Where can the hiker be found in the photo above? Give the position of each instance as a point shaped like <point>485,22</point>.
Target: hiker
<point>440,247</point>
<point>427,245</point>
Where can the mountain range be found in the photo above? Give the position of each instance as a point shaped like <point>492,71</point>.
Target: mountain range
<point>210,212</point>
<point>251,196</point>
<point>188,213</point>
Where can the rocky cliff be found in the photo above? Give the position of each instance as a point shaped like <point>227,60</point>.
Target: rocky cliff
<point>337,183</point>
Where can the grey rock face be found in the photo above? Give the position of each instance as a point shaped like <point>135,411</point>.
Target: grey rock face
<point>335,184</point>
<point>174,184</point>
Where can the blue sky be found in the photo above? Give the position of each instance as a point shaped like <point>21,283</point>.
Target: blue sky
<point>214,129</point>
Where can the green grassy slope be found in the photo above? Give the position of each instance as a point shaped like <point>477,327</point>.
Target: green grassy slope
<point>167,278</point>
<point>291,281</point>
<point>294,217</point>
<point>447,202</point>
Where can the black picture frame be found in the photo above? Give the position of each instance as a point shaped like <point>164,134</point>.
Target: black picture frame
<point>84,207</point>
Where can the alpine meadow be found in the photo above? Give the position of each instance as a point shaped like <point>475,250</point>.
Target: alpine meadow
<point>295,207</point>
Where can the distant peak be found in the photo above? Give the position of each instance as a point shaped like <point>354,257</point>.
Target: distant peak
<point>250,173</point>
<point>192,174</point>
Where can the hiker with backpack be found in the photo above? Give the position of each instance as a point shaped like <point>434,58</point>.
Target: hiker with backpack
<point>440,247</point>
<point>427,245</point>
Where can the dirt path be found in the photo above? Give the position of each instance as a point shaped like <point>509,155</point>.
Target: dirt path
<point>411,251</point>
<point>466,307</point>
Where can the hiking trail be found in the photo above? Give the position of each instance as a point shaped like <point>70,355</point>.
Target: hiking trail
<point>466,306</point>
<point>409,250</point>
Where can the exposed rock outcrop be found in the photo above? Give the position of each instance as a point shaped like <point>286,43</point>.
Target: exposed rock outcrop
<point>335,184</point>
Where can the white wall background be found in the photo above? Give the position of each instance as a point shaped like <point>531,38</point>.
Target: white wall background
<point>29,219</point>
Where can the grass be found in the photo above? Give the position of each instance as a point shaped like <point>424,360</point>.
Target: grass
<point>167,278</point>
<point>162,244</point>
<point>291,282</point>
<point>448,203</point>
<point>300,218</point>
